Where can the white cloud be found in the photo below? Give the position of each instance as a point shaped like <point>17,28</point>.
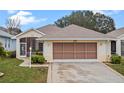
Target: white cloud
<point>24,13</point>
<point>11,11</point>
<point>43,19</point>
<point>107,12</point>
<point>26,17</point>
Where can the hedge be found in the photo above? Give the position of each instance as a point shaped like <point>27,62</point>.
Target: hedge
<point>38,59</point>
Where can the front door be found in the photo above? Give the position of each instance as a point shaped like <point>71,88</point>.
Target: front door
<point>113,47</point>
<point>23,49</point>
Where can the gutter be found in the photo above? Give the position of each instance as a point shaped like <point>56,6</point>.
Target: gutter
<point>76,39</point>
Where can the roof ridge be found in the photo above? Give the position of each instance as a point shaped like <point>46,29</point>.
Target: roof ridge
<point>45,26</point>
<point>84,28</point>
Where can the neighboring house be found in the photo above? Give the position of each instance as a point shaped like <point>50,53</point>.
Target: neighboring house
<point>7,42</point>
<point>70,44</point>
<point>117,45</point>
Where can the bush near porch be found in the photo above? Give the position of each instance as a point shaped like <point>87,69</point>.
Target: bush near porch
<point>38,59</point>
<point>118,67</point>
<point>115,59</point>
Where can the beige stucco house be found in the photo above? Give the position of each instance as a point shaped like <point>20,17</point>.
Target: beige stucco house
<point>72,43</point>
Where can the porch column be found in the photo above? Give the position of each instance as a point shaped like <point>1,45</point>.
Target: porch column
<point>37,45</point>
<point>48,51</point>
<point>17,48</point>
<point>108,50</point>
<point>118,47</point>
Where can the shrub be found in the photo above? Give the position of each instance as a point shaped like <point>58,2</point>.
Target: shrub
<point>41,59</point>
<point>0,44</point>
<point>38,59</point>
<point>34,59</point>
<point>115,59</point>
<point>6,54</point>
<point>11,54</point>
<point>39,53</point>
<point>2,51</point>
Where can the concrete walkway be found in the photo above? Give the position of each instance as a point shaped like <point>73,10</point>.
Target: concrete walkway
<point>85,72</point>
<point>26,63</point>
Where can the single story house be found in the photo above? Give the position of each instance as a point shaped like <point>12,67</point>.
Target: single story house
<point>117,46</point>
<point>70,44</point>
<point>8,43</point>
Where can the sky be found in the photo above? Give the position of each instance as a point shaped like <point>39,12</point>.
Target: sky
<point>38,18</point>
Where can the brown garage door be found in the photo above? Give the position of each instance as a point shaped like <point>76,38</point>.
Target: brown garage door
<point>74,50</point>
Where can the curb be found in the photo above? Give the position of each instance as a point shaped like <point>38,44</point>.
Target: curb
<point>49,76</point>
<point>113,70</point>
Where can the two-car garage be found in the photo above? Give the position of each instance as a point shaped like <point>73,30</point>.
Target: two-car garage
<point>69,44</point>
<point>75,50</point>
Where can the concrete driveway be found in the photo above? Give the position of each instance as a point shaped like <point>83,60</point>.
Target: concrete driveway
<point>85,72</point>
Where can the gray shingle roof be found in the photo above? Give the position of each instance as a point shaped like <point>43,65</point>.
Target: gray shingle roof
<point>71,31</point>
<point>116,33</point>
<point>5,34</point>
<point>50,29</point>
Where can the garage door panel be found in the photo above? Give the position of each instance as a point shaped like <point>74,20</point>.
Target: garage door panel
<point>91,55</point>
<point>79,55</point>
<point>91,47</point>
<point>68,55</point>
<point>58,56</point>
<point>80,46</point>
<point>57,47</point>
<point>68,47</point>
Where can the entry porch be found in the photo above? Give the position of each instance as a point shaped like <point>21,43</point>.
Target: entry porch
<point>27,42</point>
<point>30,44</point>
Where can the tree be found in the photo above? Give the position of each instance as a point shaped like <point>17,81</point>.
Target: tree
<point>13,25</point>
<point>98,22</point>
<point>104,23</point>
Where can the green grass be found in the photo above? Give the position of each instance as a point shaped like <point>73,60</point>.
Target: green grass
<point>16,74</point>
<point>118,67</point>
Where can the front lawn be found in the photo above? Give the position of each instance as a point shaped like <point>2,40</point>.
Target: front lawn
<point>118,67</point>
<point>16,74</point>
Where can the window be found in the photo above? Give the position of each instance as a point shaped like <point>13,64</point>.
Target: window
<point>9,44</point>
<point>23,40</point>
<point>5,43</point>
<point>113,47</point>
<point>33,44</point>
<point>41,47</point>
